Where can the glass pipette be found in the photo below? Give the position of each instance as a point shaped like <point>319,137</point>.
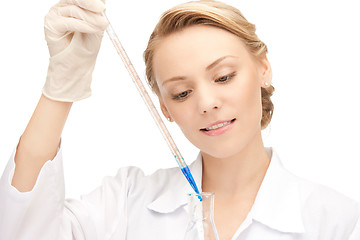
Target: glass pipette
<point>154,113</point>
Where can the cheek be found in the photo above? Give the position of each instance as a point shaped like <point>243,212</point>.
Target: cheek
<point>184,115</point>
<point>181,113</point>
<point>247,99</point>
<point>185,123</point>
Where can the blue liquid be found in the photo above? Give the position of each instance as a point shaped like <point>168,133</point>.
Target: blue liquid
<point>189,177</point>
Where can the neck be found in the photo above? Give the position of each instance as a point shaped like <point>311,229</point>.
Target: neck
<point>239,175</point>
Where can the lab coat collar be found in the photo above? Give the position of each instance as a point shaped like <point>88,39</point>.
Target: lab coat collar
<point>277,204</point>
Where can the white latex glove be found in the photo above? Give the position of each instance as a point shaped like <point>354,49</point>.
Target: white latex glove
<point>73,31</point>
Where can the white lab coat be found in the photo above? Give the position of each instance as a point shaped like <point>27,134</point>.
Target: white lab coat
<point>134,206</point>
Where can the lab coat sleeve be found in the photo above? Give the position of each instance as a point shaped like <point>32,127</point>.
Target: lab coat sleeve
<point>37,213</point>
<point>43,213</point>
<point>356,232</point>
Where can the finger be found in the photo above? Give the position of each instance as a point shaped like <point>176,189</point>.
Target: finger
<point>73,25</point>
<point>96,6</point>
<point>74,19</point>
<point>91,18</point>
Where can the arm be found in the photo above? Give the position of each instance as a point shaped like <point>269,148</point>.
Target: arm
<point>32,193</point>
<point>39,141</point>
<point>73,33</point>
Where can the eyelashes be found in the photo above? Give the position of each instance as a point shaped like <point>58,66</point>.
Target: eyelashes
<point>221,80</point>
<point>225,78</point>
<point>182,95</point>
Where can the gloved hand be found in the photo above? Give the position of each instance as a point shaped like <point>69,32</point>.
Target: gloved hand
<point>73,31</point>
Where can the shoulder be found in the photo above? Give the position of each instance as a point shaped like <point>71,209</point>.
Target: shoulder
<point>131,183</point>
<point>136,181</point>
<point>319,202</point>
<point>326,209</point>
<point>315,195</point>
<point>132,174</point>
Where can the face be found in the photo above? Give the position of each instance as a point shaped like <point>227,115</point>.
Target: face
<point>210,85</point>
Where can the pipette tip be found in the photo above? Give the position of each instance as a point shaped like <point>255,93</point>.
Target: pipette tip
<point>189,177</point>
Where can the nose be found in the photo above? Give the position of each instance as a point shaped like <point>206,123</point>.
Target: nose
<point>208,100</point>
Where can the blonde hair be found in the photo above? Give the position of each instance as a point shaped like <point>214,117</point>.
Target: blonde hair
<point>211,13</point>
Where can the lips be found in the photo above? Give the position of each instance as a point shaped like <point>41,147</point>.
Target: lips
<point>217,125</point>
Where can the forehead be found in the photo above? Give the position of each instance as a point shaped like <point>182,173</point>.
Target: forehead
<point>194,48</point>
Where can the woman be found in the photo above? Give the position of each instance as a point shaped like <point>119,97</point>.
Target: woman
<point>212,77</point>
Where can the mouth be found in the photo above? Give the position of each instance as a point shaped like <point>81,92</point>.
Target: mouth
<point>217,125</point>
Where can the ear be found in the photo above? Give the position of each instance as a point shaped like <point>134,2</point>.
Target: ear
<point>164,110</point>
<point>265,72</point>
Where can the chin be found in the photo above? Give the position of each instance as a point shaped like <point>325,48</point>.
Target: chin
<point>223,150</point>
<point>231,146</point>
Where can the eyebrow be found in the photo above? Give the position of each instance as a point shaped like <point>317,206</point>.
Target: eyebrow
<point>212,65</point>
<point>216,62</point>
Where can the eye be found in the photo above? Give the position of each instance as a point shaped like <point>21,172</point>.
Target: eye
<point>225,78</point>
<point>182,95</point>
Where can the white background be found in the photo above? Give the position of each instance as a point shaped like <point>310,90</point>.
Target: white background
<point>314,51</point>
